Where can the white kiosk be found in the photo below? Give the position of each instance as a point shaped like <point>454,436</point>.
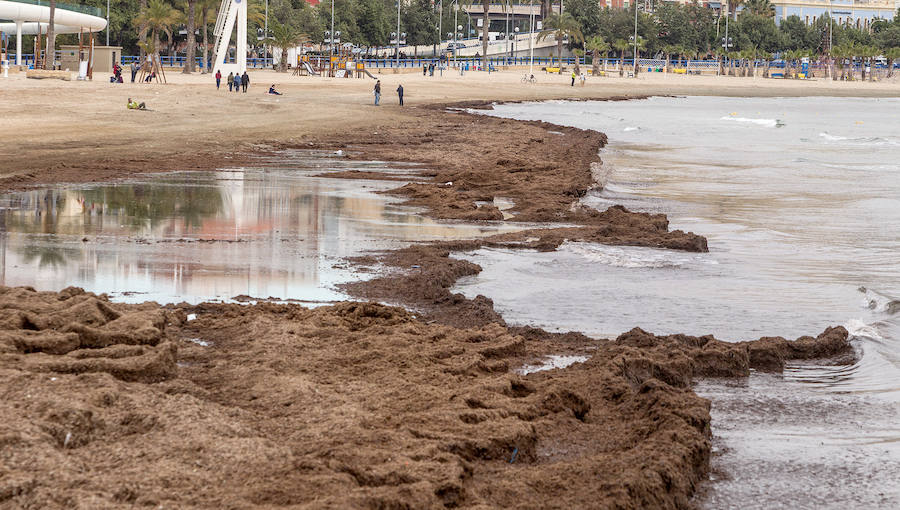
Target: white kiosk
<point>231,13</point>
<point>33,19</point>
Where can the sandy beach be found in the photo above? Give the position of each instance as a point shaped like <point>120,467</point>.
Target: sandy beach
<point>67,131</point>
<point>357,405</point>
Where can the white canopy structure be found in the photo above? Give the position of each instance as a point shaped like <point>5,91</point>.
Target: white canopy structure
<point>34,19</point>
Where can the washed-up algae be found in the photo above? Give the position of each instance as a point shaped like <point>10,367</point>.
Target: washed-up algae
<point>361,405</point>
<point>357,405</point>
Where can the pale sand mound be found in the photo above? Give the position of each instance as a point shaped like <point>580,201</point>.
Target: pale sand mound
<point>351,406</point>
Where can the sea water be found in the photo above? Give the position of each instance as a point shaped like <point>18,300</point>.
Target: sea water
<point>800,201</point>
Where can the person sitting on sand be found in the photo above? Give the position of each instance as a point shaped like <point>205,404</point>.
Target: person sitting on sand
<point>134,105</point>
<point>273,91</point>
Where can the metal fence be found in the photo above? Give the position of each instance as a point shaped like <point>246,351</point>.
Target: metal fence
<point>611,64</point>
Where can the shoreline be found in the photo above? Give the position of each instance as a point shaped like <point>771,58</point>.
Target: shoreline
<point>396,408</point>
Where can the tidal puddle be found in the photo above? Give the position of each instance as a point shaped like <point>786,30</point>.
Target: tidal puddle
<point>269,231</point>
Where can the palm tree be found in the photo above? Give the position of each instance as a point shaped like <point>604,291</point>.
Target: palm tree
<point>841,52</point>
<point>767,57</point>
<point>485,34</point>
<point>159,17</point>
<point>597,45</point>
<point>141,28</point>
<point>789,57</point>
<point>284,37</point>
<point>871,52</point>
<point>668,50</point>
<point>561,26</point>
<point>732,56</point>
<point>51,36</point>
<point>190,27</point>
<point>891,54</point>
<point>748,56</point>
<point>636,49</point>
<point>205,6</point>
<point>759,7</point>
<point>621,45</point>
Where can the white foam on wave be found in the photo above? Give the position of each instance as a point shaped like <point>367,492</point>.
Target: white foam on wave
<point>551,362</point>
<point>873,141</point>
<point>630,128</point>
<point>833,138</point>
<point>759,122</point>
<point>630,257</point>
<point>880,302</point>
<point>617,188</point>
<point>858,328</point>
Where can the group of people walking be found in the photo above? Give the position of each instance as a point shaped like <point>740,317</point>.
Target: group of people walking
<point>236,82</point>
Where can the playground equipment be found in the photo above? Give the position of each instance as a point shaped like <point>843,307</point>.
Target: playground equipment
<point>231,13</point>
<point>340,65</point>
<point>34,20</point>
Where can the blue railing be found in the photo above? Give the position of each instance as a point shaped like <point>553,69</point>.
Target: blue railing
<point>470,62</point>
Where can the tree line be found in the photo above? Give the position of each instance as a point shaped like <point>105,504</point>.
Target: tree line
<point>671,30</point>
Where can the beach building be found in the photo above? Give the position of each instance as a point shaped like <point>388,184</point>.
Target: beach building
<point>32,17</point>
<point>856,13</point>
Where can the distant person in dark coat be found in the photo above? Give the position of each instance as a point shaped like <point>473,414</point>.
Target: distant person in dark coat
<point>245,81</point>
<point>230,82</point>
<point>377,92</point>
<point>400,93</point>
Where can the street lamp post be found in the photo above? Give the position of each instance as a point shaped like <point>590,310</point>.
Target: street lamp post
<point>725,57</point>
<point>107,23</point>
<point>507,26</point>
<point>531,40</point>
<point>456,30</point>
<point>398,33</point>
<point>331,42</point>
<point>635,39</point>
<point>515,39</point>
<point>830,42</point>
<point>266,46</point>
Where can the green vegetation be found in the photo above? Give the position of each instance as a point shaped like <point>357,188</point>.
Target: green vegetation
<point>671,31</point>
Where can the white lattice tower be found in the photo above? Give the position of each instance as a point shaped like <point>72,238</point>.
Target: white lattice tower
<point>231,13</point>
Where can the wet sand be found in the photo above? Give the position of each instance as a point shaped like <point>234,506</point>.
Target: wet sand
<point>356,405</point>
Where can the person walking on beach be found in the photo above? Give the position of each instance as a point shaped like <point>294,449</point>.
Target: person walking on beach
<point>573,78</point>
<point>218,78</point>
<point>237,82</point>
<point>377,91</point>
<point>245,81</point>
<point>230,81</point>
<point>134,70</point>
<point>400,93</point>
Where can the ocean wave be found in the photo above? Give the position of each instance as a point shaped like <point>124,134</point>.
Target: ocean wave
<point>863,141</point>
<point>630,128</point>
<point>858,328</point>
<point>631,257</point>
<point>759,122</point>
<point>879,302</point>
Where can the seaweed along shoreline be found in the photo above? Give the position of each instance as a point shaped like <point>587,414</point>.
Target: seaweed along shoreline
<point>362,405</point>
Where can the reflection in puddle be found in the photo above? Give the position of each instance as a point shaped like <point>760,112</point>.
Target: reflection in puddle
<point>194,236</point>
